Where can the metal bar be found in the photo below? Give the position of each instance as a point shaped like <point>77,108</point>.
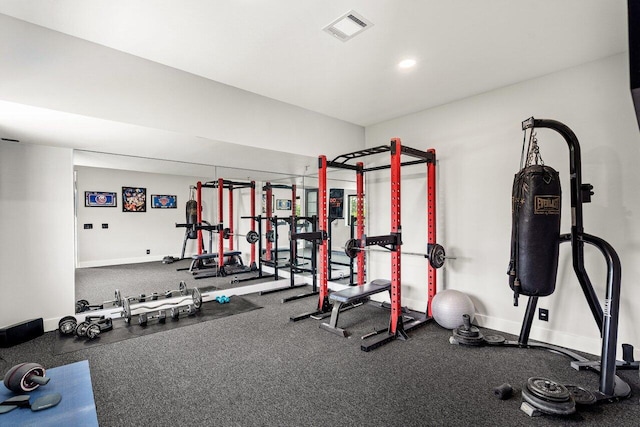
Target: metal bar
<point>199,200</point>
<point>360,222</point>
<point>577,228</point>
<point>253,224</point>
<point>424,155</point>
<point>395,323</point>
<point>342,166</point>
<point>431,227</point>
<point>415,162</point>
<point>530,312</point>
<point>269,210</point>
<point>294,227</point>
<point>322,227</point>
<point>361,153</point>
<point>231,228</point>
<point>612,305</point>
<point>221,222</point>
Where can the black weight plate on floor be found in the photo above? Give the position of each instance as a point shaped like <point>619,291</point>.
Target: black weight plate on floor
<point>582,396</point>
<point>67,325</point>
<point>548,407</point>
<point>472,332</point>
<point>547,389</point>
<point>93,331</point>
<point>81,329</point>
<point>494,339</point>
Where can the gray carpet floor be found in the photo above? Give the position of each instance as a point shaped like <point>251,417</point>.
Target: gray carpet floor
<point>259,369</point>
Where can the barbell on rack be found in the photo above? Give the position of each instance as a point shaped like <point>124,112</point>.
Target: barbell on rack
<point>435,252</point>
<point>252,236</point>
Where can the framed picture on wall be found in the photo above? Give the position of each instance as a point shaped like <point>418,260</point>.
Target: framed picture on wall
<point>164,201</point>
<point>264,203</point>
<point>94,199</point>
<point>336,203</point>
<point>134,199</point>
<point>283,204</point>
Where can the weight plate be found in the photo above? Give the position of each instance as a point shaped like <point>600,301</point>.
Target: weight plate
<point>197,298</point>
<point>252,237</point>
<point>582,396</point>
<point>81,329</point>
<point>463,340</point>
<point>82,305</point>
<point>162,316</point>
<point>472,332</point>
<point>271,236</point>
<point>126,310</point>
<point>93,331</point>
<point>494,339</point>
<point>183,288</point>
<point>436,256</point>
<point>67,325</point>
<point>351,248</point>
<point>548,389</point>
<point>118,298</point>
<point>142,319</point>
<point>548,407</point>
<point>191,310</point>
<point>174,313</point>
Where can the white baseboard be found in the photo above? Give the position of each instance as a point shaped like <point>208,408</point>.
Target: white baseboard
<point>119,261</point>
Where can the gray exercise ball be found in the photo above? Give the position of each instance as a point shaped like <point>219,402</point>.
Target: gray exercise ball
<point>449,305</point>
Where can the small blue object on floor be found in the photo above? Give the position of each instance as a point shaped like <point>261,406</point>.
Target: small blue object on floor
<point>222,299</point>
<point>77,407</point>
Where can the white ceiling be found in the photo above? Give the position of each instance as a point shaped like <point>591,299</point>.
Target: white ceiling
<point>277,48</point>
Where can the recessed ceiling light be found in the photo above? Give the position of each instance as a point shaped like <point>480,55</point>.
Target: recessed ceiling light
<point>348,26</point>
<point>407,63</point>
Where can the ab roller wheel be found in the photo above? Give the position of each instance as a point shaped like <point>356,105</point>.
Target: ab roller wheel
<point>25,377</point>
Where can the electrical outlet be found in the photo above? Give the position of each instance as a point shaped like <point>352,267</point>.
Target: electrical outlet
<point>543,314</point>
<point>105,225</point>
<point>148,251</point>
<point>88,226</point>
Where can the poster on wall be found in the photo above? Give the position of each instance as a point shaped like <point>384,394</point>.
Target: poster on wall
<point>94,199</point>
<point>336,203</point>
<point>283,204</point>
<point>264,203</point>
<point>134,199</point>
<point>164,201</point>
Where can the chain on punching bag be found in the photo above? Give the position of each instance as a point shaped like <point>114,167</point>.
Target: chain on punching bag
<point>535,228</point>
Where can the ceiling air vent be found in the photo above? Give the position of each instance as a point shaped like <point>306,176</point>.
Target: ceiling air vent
<point>348,26</point>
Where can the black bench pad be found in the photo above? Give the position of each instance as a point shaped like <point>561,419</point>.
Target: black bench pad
<point>355,293</point>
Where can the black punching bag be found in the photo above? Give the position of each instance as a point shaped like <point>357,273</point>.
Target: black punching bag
<point>192,217</point>
<point>535,231</point>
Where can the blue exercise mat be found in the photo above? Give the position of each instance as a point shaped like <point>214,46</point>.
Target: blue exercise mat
<point>77,407</point>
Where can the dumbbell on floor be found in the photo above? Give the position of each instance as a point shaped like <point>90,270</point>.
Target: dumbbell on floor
<point>84,305</point>
<point>189,310</point>
<point>143,318</point>
<point>93,326</point>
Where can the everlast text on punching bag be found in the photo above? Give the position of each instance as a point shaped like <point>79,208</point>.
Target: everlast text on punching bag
<point>535,232</point>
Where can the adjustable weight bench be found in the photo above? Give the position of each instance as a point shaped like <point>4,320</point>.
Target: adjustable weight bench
<point>352,295</point>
